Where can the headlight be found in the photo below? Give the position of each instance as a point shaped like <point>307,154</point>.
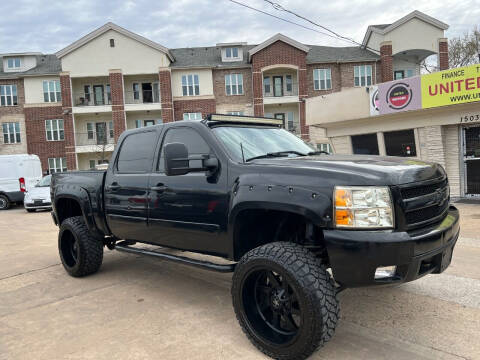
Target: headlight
<point>363,207</point>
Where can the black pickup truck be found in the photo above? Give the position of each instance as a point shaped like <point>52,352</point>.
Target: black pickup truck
<point>296,225</point>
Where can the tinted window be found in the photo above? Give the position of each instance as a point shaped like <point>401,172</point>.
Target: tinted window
<point>365,144</point>
<point>192,140</point>
<point>400,143</point>
<point>136,153</point>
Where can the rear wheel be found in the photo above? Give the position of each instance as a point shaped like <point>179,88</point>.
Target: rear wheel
<point>4,202</point>
<point>80,252</point>
<point>284,300</point>
<point>30,210</point>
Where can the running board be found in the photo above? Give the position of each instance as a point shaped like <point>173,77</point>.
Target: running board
<point>206,265</point>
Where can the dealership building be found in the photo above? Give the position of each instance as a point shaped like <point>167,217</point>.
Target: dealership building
<point>433,117</point>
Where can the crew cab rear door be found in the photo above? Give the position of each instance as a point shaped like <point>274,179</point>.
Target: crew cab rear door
<point>126,185</point>
<point>188,211</point>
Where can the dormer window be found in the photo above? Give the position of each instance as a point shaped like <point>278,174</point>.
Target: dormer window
<point>231,52</point>
<point>13,63</point>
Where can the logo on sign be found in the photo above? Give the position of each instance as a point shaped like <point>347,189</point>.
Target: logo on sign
<point>399,96</point>
<point>375,100</point>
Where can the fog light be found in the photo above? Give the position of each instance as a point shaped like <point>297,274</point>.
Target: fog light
<point>385,272</point>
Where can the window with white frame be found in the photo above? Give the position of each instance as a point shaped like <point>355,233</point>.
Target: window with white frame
<point>110,129</point>
<point>234,84</point>
<point>362,75</point>
<point>325,147</point>
<point>288,83</point>
<point>54,129</point>
<point>190,85</point>
<point>13,63</point>
<point>57,165</point>
<point>136,91</point>
<point>8,95</point>
<point>290,120</point>
<point>266,84</point>
<point>231,53</point>
<point>11,132</point>
<point>322,79</point>
<point>51,91</point>
<point>192,116</point>
<point>234,112</point>
<point>90,130</point>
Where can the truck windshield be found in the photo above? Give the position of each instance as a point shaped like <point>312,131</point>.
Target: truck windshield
<point>45,182</point>
<point>260,142</point>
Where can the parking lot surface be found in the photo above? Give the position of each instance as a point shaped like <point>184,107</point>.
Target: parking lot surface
<point>142,308</point>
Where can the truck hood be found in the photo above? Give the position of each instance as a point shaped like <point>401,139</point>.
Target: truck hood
<point>360,169</point>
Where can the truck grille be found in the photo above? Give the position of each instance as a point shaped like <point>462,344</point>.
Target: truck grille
<point>425,204</point>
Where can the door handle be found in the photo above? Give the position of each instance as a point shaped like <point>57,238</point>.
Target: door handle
<point>159,188</point>
<point>113,187</point>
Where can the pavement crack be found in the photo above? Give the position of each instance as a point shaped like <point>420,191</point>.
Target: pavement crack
<point>29,271</point>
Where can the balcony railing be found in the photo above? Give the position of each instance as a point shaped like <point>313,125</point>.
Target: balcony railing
<point>290,89</point>
<point>92,99</point>
<point>142,97</point>
<point>97,139</point>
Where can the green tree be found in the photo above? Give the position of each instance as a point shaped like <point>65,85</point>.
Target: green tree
<point>464,50</point>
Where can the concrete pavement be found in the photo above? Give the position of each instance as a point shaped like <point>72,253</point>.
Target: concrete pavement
<point>141,308</point>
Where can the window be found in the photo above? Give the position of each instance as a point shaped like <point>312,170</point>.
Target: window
<point>410,72</point>
<point>8,95</point>
<point>112,42</point>
<point>322,79</point>
<point>109,93</point>
<point>234,112</point>
<point>266,85</point>
<point>11,132</point>
<point>51,91</point>
<point>54,129</point>
<point>57,165</point>
<point>325,147</point>
<point>398,74</point>
<point>90,131</point>
<point>289,123</point>
<point>288,83</point>
<point>231,52</point>
<point>234,84</point>
<point>110,129</point>
<point>136,153</point>
<point>13,63</point>
<point>190,85</point>
<point>400,143</point>
<point>365,144</point>
<point>91,164</point>
<point>144,123</point>
<point>192,140</point>
<point>136,91</point>
<point>86,91</point>
<point>362,75</point>
<point>192,116</point>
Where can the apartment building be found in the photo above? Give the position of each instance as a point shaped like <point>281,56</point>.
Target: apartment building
<point>72,106</point>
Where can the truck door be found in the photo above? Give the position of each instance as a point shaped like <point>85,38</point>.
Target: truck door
<point>188,211</point>
<point>126,185</point>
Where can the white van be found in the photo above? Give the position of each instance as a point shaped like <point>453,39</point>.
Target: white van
<point>18,173</point>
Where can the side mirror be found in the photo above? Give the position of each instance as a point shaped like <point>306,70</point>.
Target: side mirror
<point>176,159</point>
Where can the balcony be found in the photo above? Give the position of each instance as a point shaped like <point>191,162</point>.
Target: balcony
<point>96,141</point>
<point>143,100</point>
<point>279,88</point>
<point>88,102</point>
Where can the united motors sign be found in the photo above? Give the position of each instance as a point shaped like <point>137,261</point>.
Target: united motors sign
<point>442,88</point>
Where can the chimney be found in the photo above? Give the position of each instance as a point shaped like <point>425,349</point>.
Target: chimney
<point>443,54</point>
<point>386,61</point>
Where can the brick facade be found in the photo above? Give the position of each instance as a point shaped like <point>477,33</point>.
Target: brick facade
<point>118,106</point>
<point>205,106</point>
<point>443,54</point>
<point>14,114</point>
<point>280,53</point>
<point>224,102</point>
<point>386,61</point>
<point>36,133</point>
<point>66,88</point>
<point>165,80</point>
<point>336,79</point>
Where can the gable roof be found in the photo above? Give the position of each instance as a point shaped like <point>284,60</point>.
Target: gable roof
<point>331,54</point>
<point>111,26</point>
<point>383,29</point>
<point>277,37</point>
<point>209,56</point>
<point>46,65</point>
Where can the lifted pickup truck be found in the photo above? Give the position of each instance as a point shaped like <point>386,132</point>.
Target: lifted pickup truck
<point>297,225</point>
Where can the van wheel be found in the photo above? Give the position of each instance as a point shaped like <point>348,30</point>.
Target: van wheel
<point>30,210</point>
<point>80,252</point>
<point>4,202</point>
<point>284,300</point>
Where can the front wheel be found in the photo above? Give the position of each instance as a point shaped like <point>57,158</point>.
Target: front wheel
<point>80,252</point>
<point>284,300</point>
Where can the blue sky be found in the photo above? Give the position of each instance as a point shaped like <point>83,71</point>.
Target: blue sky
<point>48,26</point>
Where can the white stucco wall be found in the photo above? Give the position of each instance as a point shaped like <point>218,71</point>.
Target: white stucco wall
<point>34,88</point>
<point>96,57</point>
<point>204,77</point>
<point>26,63</point>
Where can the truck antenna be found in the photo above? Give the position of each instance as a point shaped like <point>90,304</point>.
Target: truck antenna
<point>243,155</point>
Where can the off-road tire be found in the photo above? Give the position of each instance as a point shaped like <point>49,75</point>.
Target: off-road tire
<point>4,202</point>
<point>315,290</point>
<point>89,249</point>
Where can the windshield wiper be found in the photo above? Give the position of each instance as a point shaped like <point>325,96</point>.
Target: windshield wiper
<point>318,152</point>
<point>276,154</point>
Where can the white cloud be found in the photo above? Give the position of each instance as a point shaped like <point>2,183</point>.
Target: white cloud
<point>34,25</point>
